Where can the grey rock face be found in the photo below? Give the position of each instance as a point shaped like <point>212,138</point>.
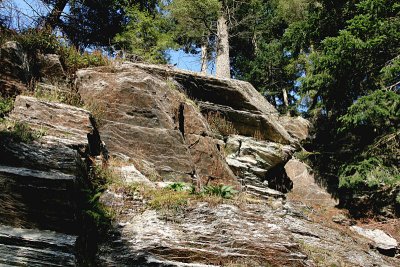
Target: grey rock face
<point>205,234</point>
<point>253,160</point>
<point>297,127</point>
<point>66,132</point>
<point>380,240</point>
<point>37,199</point>
<point>27,247</point>
<point>50,68</point>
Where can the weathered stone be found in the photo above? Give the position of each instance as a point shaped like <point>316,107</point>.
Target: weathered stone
<point>41,189</point>
<point>305,188</point>
<point>254,160</point>
<point>131,175</point>
<point>209,234</point>
<point>205,235</point>
<point>28,247</point>
<point>250,124</point>
<point>50,68</point>
<point>14,69</point>
<point>68,133</point>
<point>147,117</point>
<point>331,246</point>
<point>241,104</point>
<point>380,240</point>
<point>297,127</point>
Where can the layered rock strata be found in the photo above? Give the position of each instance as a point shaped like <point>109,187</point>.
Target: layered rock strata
<point>41,194</point>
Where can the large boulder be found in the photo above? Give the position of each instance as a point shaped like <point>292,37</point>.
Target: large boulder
<point>14,69</point>
<point>254,162</point>
<point>384,243</point>
<point>50,68</point>
<point>145,117</point>
<point>305,188</point>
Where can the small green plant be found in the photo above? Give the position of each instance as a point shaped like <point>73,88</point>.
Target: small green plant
<point>224,191</point>
<point>6,105</point>
<point>21,132</point>
<point>179,186</point>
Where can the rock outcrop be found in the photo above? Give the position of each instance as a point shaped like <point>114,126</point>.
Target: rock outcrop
<point>253,161</point>
<point>236,100</point>
<point>152,121</point>
<point>146,118</point>
<point>40,189</point>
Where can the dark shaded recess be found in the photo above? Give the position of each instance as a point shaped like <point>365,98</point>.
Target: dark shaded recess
<point>94,140</point>
<point>371,202</point>
<point>181,118</point>
<point>278,179</point>
<point>212,90</point>
<point>46,204</point>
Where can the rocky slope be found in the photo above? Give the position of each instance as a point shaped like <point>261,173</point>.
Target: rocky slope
<point>150,126</point>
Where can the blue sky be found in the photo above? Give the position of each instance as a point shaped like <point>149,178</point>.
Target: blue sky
<point>182,60</point>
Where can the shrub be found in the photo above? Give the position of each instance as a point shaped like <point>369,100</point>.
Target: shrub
<point>74,59</point>
<point>369,173</point>
<point>38,40</point>
<point>6,105</point>
<point>177,186</point>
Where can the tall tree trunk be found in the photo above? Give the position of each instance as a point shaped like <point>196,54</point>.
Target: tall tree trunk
<point>54,17</point>
<point>285,100</point>
<point>223,68</point>
<point>204,56</point>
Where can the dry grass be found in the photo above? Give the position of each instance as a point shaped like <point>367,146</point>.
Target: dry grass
<point>257,135</point>
<point>98,110</point>
<point>55,93</point>
<point>219,124</point>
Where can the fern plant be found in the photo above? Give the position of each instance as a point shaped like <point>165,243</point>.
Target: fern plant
<point>224,191</point>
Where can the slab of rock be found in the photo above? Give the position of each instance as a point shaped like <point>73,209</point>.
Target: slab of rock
<point>238,101</point>
<point>305,188</point>
<point>206,234</point>
<point>380,240</point>
<point>68,133</point>
<point>297,127</point>
<point>50,68</point>
<point>144,116</point>
<point>29,247</point>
